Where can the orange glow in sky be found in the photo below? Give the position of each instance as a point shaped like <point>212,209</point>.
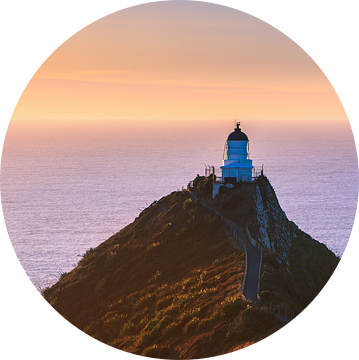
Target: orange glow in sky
<point>179,61</point>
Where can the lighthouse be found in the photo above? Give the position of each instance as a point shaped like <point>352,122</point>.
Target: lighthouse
<point>236,164</point>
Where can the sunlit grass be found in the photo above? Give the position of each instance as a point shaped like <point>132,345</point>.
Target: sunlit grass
<point>172,275</point>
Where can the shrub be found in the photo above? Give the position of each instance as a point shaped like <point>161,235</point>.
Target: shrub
<point>187,204</point>
<point>151,324</point>
<point>205,186</point>
<point>208,323</point>
<point>91,328</point>
<point>127,329</point>
<point>170,329</point>
<point>191,326</point>
<point>101,283</point>
<point>189,315</point>
<point>112,324</point>
<point>145,301</point>
<point>163,322</point>
<point>144,339</point>
<point>255,322</point>
<point>152,331</point>
<point>45,292</point>
<point>153,246</point>
<point>173,309</point>
<point>222,190</point>
<point>151,351</point>
<point>88,255</point>
<point>232,306</point>
<point>164,302</point>
<point>197,180</point>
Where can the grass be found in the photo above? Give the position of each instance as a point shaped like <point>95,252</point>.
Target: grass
<point>297,267</point>
<point>170,279</point>
<point>233,305</point>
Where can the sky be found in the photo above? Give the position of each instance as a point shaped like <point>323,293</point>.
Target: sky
<point>179,60</point>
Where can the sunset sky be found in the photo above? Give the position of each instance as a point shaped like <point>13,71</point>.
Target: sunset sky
<point>179,61</point>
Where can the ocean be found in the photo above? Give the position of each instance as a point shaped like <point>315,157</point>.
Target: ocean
<point>68,186</point>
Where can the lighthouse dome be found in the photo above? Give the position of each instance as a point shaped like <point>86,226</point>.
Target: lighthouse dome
<point>237,134</point>
<point>236,164</point>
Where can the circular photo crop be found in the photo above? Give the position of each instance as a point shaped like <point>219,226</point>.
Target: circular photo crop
<point>179,180</point>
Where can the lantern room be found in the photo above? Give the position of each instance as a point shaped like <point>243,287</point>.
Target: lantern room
<point>236,165</point>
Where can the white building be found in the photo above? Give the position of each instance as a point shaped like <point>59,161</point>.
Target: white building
<point>236,165</point>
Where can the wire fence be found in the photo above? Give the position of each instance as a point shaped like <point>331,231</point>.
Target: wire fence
<point>217,172</point>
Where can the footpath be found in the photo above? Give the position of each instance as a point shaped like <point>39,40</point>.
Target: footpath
<point>253,260</point>
<point>250,287</point>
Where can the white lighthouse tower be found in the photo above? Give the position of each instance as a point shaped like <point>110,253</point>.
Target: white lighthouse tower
<point>236,165</point>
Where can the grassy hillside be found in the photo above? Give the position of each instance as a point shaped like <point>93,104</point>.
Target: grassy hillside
<point>297,267</point>
<point>237,203</point>
<point>168,286</point>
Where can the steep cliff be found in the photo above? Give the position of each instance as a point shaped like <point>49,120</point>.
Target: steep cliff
<point>276,232</point>
<point>295,266</point>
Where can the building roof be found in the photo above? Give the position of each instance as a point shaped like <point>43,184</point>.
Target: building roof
<point>237,134</point>
<point>236,165</point>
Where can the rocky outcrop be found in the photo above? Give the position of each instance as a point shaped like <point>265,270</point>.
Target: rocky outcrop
<point>295,267</point>
<point>276,232</point>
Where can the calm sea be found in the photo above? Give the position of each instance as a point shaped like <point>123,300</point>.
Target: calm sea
<point>68,187</point>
